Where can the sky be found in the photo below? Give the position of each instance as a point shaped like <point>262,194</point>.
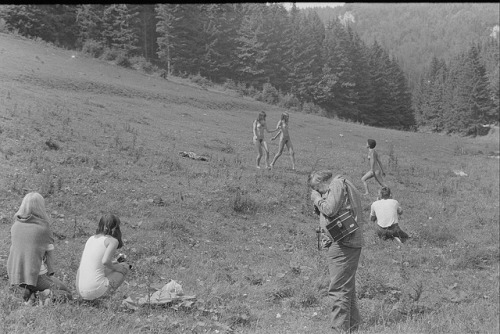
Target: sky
<point>302,5</point>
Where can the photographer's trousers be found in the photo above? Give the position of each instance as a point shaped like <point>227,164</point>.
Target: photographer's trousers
<point>342,265</point>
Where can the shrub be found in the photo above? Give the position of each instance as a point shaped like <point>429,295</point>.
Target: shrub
<point>310,108</point>
<point>269,94</point>
<point>242,203</point>
<point>122,60</point>
<point>140,63</point>
<point>230,84</point>
<point>93,48</point>
<point>3,26</point>
<point>288,101</point>
<point>110,54</point>
<point>200,80</point>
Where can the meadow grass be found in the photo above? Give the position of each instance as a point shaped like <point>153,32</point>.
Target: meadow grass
<point>95,138</point>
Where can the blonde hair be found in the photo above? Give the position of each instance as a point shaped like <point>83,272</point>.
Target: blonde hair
<point>283,115</point>
<point>317,177</point>
<point>33,204</point>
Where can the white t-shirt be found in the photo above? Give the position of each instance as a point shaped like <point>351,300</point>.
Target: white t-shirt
<point>386,211</point>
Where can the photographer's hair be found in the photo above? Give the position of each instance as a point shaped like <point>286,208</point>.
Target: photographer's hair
<point>33,204</point>
<point>109,224</point>
<point>385,192</point>
<point>372,143</point>
<point>317,177</point>
<point>284,115</point>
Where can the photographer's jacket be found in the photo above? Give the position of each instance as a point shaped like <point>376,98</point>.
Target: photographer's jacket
<point>332,203</point>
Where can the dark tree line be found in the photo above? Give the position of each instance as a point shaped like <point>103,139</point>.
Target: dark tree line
<point>460,96</point>
<point>255,44</point>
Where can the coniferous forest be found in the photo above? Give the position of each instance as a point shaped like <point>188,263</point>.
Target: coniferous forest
<point>302,55</point>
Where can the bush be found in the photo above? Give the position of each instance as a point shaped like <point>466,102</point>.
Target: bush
<point>269,94</point>
<point>122,60</point>
<point>230,84</point>
<point>310,108</point>
<point>288,101</point>
<point>93,48</point>
<point>201,81</point>
<point>110,54</point>
<point>140,63</point>
<point>3,26</point>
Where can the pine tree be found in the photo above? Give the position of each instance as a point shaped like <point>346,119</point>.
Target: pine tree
<point>52,23</point>
<point>251,51</point>
<point>120,27</point>
<point>164,30</point>
<point>89,22</point>
<point>364,94</point>
<point>274,27</point>
<point>180,29</point>
<point>380,72</point>
<point>469,98</point>
<point>146,29</point>
<point>220,42</point>
<point>306,34</point>
<point>335,91</point>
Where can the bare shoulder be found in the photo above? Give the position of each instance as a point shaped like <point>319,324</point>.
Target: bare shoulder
<point>110,241</point>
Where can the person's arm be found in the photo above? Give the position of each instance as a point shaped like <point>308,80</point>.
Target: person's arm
<point>254,129</point>
<point>373,216</point>
<point>379,162</point>
<point>49,260</point>
<point>270,131</point>
<point>107,259</point>
<point>278,127</point>
<point>276,135</point>
<point>400,209</point>
<point>331,204</point>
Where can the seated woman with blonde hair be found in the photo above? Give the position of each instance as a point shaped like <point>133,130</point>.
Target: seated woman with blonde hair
<point>98,274</point>
<point>31,258</point>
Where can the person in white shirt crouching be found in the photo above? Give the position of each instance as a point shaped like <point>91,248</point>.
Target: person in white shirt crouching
<point>386,211</point>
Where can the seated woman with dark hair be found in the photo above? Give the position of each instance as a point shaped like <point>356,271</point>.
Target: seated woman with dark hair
<point>98,274</point>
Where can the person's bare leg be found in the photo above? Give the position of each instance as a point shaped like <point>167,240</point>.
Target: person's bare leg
<point>280,151</point>
<point>366,177</point>
<point>116,278</point>
<point>292,153</point>
<point>264,144</point>
<point>380,179</point>
<point>259,153</point>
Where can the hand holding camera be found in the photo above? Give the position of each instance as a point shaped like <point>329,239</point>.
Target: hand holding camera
<point>123,258</point>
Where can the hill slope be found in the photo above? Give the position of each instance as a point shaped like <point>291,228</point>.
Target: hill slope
<point>93,138</point>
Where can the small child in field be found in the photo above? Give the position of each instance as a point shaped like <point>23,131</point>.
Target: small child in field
<point>385,211</point>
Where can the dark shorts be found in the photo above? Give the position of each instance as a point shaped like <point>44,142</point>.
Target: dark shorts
<point>390,232</point>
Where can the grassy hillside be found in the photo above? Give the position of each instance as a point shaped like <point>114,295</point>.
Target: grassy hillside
<point>93,138</point>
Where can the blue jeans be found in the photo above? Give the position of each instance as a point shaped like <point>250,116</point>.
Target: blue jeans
<point>342,265</point>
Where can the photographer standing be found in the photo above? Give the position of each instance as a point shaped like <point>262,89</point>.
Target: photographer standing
<point>332,197</point>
